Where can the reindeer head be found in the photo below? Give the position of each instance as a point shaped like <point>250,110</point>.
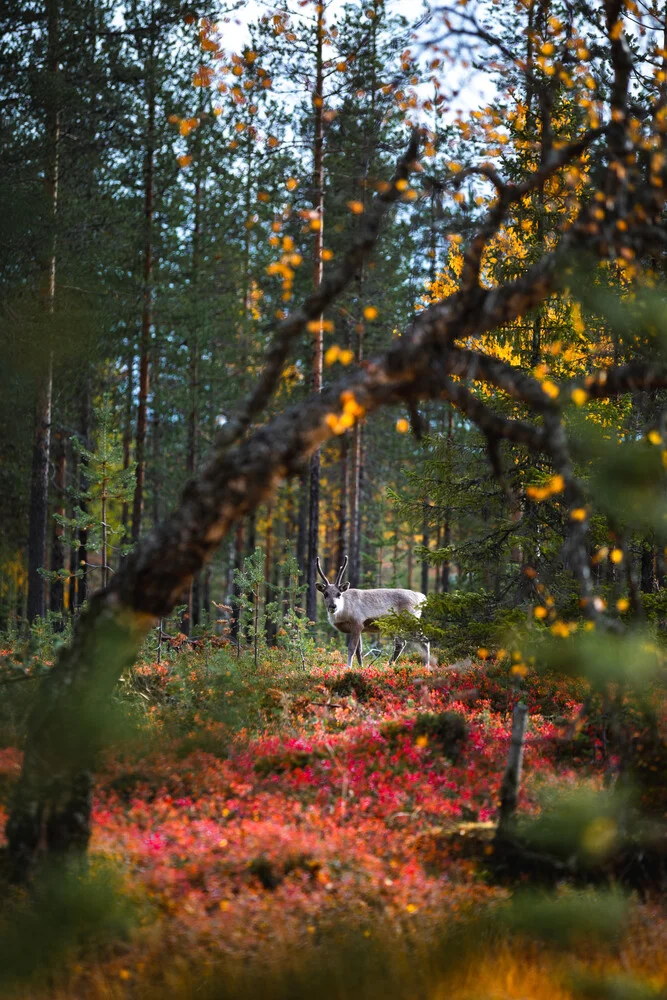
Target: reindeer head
<point>332,591</point>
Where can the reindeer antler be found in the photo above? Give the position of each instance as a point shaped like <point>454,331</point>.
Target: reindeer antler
<point>341,572</point>
<point>319,570</point>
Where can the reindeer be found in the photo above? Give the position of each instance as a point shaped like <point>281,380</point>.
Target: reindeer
<point>355,611</point>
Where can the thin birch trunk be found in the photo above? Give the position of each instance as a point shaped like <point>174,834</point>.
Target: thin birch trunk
<point>147,296</point>
<point>509,792</point>
<point>318,271</point>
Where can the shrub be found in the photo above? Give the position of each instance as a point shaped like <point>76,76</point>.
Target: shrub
<point>351,682</point>
<point>447,730</point>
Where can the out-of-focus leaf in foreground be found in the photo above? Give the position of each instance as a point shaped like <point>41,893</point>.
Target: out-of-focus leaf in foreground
<point>69,912</point>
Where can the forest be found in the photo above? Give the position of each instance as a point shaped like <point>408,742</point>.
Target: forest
<point>333,500</point>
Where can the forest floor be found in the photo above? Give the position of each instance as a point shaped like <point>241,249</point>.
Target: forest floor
<point>322,833</point>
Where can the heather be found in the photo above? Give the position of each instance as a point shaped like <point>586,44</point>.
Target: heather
<point>269,828</point>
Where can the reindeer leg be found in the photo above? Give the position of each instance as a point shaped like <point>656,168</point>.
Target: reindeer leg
<point>360,651</point>
<point>399,646</point>
<point>353,640</point>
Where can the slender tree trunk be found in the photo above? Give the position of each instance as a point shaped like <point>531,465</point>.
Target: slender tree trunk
<point>236,590</point>
<point>206,594</point>
<point>39,492</point>
<point>410,559</point>
<point>39,484</point>
<point>268,570</point>
<point>127,435</point>
<point>648,561</point>
<point>509,792</point>
<point>57,599</point>
<point>156,469</point>
<point>73,552</point>
<point>302,526</point>
<point>251,544</point>
<point>425,543</point>
<point>318,270</point>
<point>355,508</point>
<point>342,508</point>
<point>448,516</point>
<point>82,588</point>
<point>147,299</point>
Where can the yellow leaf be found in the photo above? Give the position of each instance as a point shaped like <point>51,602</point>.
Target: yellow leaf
<point>184,161</point>
<point>327,254</point>
<point>332,355</point>
<point>616,555</point>
<point>357,207</point>
<point>402,426</point>
<point>579,396</point>
<point>622,604</point>
<point>655,437</point>
<point>540,612</point>
<point>346,356</point>
<point>370,313</point>
<point>578,514</point>
<point>291,183</point>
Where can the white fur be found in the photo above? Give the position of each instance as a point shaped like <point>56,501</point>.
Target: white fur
<point>340,604</point>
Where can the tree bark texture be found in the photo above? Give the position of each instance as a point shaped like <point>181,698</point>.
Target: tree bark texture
<point>57,596</point>
<point>318,273</point>
<point>39,497</point>
<point>39,484</point>
<point>84,431</point>
<point>147,299</point>
<point>509,791</point>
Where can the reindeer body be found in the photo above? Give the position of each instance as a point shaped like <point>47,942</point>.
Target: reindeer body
<point>353,611</point>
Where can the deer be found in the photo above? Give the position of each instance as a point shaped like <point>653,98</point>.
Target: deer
<point>353,611</point>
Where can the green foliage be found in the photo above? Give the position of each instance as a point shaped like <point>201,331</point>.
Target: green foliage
<point>96,507</point>
<point>459,623</point>
<point>251,582</point>
<point>71,914</point>
<point>631,658</point>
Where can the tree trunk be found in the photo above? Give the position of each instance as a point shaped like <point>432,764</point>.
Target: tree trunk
<point>354,569</point>
<point>147,301</point>
<point>57,601</point>
<point>318,271</point>
<point>191,458</point>
<point>268,571</point>
<point>156,471</point>
<point>236,590</point>
<point>127,436</point>
<point>342,507</point>
<point>39,484</point>
<point>39,492</point>
<point>302,526</point>
<point>648,575</point>
<point>73,552</point>
<point>425,543</point>
<point>82,555</point>
<point>509,792</point>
